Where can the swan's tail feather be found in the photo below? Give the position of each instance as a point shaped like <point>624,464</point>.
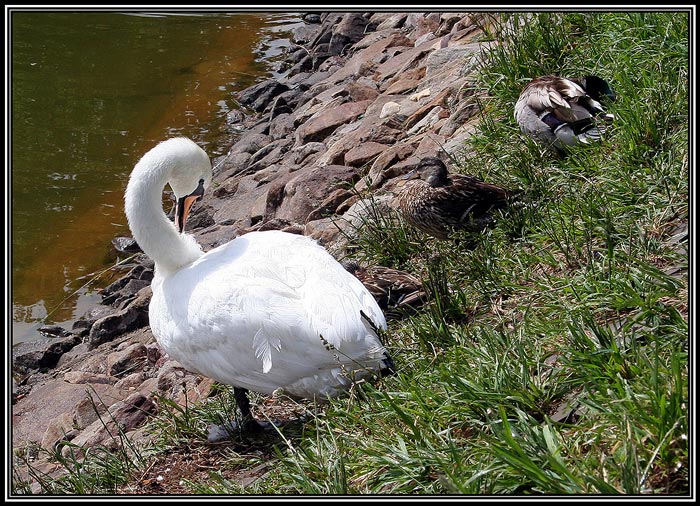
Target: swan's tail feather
<point>376,329</point>
<point>387,367</point>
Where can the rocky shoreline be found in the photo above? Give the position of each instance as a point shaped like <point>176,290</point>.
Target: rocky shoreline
<point>364,98</point>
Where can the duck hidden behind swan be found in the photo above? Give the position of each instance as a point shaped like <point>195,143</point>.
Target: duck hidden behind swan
<point>265,311</point>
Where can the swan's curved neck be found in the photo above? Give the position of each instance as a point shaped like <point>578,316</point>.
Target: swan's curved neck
<point>153,231</point>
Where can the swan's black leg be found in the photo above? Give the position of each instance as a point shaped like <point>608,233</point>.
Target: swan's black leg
<point>249,424</point>
<point>246,424</point>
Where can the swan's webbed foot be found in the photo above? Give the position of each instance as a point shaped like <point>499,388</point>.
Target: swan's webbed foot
<point>246,425</point>
<point>227,431</point>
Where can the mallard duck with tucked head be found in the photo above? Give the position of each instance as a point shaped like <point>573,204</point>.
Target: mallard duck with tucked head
<point>439,203</point>
<point>397,292</point>
<point>559,112</point>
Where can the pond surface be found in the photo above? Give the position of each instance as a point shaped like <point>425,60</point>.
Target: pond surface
<point>90,93</point>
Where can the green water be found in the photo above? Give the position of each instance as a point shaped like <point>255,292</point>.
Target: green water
<point>90,93</point>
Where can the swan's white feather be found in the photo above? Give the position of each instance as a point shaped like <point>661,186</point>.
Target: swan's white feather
<point>252,312</point>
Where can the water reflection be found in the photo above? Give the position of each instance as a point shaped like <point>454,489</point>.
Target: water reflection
<point>91,92</point>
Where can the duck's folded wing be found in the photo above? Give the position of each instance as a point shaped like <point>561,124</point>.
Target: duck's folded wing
<point>551,93</point>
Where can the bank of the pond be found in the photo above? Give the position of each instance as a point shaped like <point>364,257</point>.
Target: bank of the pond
<point>362,100</point>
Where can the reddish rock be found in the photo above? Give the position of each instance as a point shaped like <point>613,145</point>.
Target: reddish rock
<point>430,145</point>
<point>128,359</point>
<point>406,106</point>
<point>57,430</point>
<point>170,375</point>
<point>364,61</point>
<point>31,414</point>
<point>149,388</point>
<point>122,417</point>
<point>439,100</point>
<point>325,100</point>
<point>325,230</point>
<point>406,166</point>
<point>81,377</point>
<point>380,170</point>
<point>86,412</point>
<point>388,20</point>
<point>307,190</point>
<point>404,82</point>
<point>359,92</point>
<point>423,22</point>
<point>428,121</point>
<point>131,381</point>
<point>154,352</point>
<point>197,393</point>
<point>321,126</point>
<point>402,62</point>
<point>364,153</point>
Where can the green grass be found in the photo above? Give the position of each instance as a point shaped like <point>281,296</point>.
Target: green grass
<point>565,301</point>
<point>553,355</point>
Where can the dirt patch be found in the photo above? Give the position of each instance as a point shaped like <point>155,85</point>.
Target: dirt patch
<point>174,472</point>
<point>193,466</point>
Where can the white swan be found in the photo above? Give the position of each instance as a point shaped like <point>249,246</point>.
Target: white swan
<point>265,311</point>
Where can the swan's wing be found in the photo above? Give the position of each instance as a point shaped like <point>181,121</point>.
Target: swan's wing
<point>338,304</point>
<point>256,312</point>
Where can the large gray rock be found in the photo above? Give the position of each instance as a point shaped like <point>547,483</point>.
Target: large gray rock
<point>260,95</point>
<point>41,354</point>
<point>132,317</point>
<point>351,29</point>
<point>364,153</point>
<point>129,359</point>
<point>250,142</point>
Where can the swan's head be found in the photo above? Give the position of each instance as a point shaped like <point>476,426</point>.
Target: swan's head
<point>189,174</point>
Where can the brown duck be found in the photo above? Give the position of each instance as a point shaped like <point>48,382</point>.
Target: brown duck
<point>439,203</point>
<point>396,291</point>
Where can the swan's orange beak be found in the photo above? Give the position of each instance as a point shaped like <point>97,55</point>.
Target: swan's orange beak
<point>184,206</point>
